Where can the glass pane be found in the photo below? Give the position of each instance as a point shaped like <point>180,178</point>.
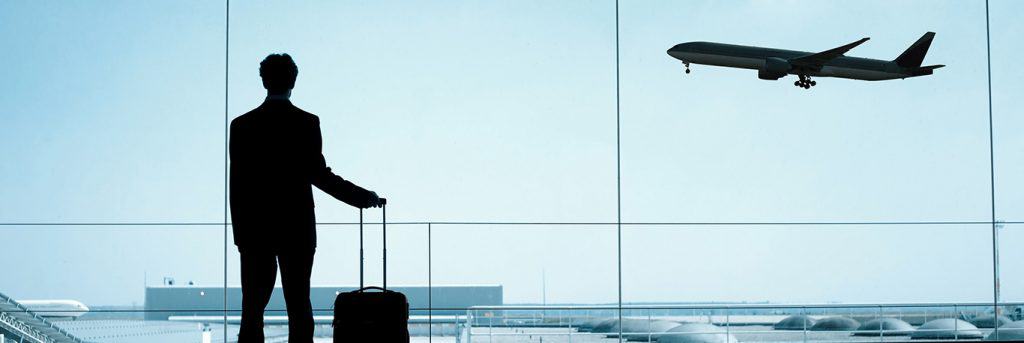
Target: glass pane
<point>553,270</point>
<point>533,264</point>
<point>1007,83</point>
<point>112,266</point>
<point>718,144</point>
<point>336,269</point>
<point>1011,263</point>
<point>808,264</point>
<point>117,114</point>
<point>336,263</point>
<point>500,111</point>
<point>124,283</point>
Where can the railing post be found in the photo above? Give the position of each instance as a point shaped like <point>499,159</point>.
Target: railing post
<point>956,322</point>
<point>727,325</point>
<point>430,289</point>
<point>469,326</point>
<point>804,322</point>
<point>881,325</point>
<point>570,325</point>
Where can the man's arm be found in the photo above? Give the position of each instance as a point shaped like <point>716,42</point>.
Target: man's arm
<point>333,184</point>
<point>235,141</point>
<point>237,168</point>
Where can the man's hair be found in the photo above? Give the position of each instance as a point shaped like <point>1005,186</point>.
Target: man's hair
<point>278,72</point>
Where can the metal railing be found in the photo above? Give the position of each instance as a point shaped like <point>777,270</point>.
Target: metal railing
<point>29,325</point>
<point>488,323</point>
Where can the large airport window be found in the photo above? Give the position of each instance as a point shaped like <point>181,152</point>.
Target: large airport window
<point>569,171</point>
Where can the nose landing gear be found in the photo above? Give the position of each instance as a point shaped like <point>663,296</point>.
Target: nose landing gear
<point>805,82</point>
<point>687,65</point>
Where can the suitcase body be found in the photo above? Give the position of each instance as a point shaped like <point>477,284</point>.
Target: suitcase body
<point>371,314</point>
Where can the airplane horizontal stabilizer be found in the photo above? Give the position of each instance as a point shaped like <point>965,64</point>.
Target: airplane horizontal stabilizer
<point>818,59</point>
<point>926,70</point>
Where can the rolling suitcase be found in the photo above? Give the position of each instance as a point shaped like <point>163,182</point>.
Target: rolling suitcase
<point>372,314</point>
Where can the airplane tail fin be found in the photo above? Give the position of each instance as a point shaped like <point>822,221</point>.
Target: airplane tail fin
<point>914,55</point>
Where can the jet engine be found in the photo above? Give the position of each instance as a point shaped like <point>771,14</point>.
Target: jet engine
<point>774,68</point>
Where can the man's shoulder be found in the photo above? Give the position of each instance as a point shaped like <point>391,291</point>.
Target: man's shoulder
<point>252,114</point>
<point>305,115</point>
<point>244,118</point>
<point>269,115</point>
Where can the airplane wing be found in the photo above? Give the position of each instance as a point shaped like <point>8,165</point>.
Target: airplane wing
<point>816,60</point>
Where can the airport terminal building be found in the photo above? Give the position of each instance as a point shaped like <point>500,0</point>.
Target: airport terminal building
<point>163,302</point>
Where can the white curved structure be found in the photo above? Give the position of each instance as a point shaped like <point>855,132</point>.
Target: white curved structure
<point>56,308</point>
<point>947,328</point>
<point>697,333</point>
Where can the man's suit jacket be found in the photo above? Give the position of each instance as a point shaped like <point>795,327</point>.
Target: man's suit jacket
<point>276,158</point>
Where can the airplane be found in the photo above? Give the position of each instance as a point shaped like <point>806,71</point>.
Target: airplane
<point>68,309</point>
<point>773,64</point>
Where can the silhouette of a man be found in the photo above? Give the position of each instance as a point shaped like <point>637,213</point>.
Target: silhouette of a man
<point>275,160</point>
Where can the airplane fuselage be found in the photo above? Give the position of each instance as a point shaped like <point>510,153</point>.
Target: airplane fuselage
<point>752,57</point>
<point>56,308</point>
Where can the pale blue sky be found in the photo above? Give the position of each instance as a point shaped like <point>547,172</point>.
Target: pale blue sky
<point>479,111</point>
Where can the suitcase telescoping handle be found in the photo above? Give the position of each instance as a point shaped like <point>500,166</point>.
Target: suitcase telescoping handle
<point>384,227</point>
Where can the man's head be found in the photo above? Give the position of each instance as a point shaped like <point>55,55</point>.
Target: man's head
<point>278,72</point>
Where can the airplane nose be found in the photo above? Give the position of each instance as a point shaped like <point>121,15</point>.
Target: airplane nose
<point>677,50</point>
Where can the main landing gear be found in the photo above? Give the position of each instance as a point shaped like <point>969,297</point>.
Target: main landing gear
<point>687,65</point>
<point>805,82</point>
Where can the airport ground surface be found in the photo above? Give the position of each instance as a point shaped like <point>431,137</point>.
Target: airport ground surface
<point>118,331</point>
<point>411,340</point>
<point>560,335</point>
